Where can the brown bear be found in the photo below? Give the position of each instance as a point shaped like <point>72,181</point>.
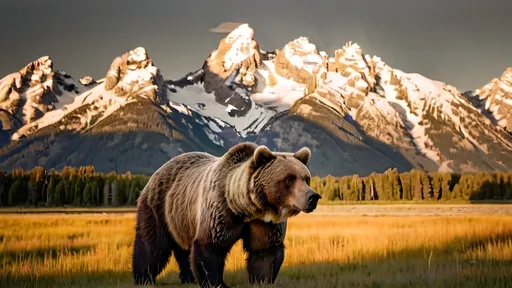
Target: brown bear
<point>199,206</point>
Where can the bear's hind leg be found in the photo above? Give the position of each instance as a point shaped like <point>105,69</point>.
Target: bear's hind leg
<point>152,247</point>
<point>183,258</point>
<point>265,247</point>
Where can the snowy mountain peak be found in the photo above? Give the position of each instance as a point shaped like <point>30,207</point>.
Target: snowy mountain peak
<point>134,74</point>
<point>238,52</point>
<point>39,69</point>
<point>495,98</point>
<point>242,33</point>
<point>241,41</point>
<point>28,94</point>
<point>303,55</point>
<point>299,60</point>
<point>295,71</point>
<point>350,60</point>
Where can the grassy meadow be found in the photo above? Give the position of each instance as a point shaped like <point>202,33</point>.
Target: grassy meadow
<point>94,250</point>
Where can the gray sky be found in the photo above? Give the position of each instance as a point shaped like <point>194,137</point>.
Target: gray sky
<point>463,42</point>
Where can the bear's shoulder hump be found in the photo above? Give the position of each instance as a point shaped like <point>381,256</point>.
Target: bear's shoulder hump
<point>240,152</point>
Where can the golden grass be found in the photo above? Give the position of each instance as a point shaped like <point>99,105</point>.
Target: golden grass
<point>94,250</point>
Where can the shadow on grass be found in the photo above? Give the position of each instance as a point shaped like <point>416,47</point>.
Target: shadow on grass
<point>421,267</point>
<point>496,202</point>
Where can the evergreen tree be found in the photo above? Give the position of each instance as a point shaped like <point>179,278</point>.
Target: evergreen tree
<point>3,193</point>
<point>466,187</point>
<point>60,190</point>
<point>87,195</point>
<point>437,182</point>
<point>395,184</point>
<point>378,185</point>
<point>106,193</point>
<point>94,191</point>
<point>344,187</point>
<point>371,191</point>
<point>445,186</point>
<point>50,198</point>
<point>15,192</point>
<point>79,189</point>
<point>457,191</point>
<point>331,188</point>
<point>416,184</point>
<point>427,186</point>
<point>356,188</point>
<point>405,179</point>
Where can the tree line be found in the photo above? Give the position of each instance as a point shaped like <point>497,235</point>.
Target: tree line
<point>79,187</point>
<point>416,185</point>
<point>84,187</point>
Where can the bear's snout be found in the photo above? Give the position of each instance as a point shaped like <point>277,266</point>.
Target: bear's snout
<point>312,200</point>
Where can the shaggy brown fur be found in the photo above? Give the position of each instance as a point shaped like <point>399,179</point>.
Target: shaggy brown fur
<point>199,205</point>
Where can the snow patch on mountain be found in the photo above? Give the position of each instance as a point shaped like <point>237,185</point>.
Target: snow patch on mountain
<point>278,91</point>
<point>198,100</point>
<point>295,72</point>
<point>213,127</point>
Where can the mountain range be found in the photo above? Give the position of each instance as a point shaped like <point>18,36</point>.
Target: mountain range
<point>357,114</point>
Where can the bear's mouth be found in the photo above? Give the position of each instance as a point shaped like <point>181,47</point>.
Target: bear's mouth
<point>297,210</point>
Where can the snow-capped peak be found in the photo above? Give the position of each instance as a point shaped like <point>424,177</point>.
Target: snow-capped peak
<point>303,55</point>
<point>496,98</point>
<point>241,40</point>
<point>134,73</point>
<point>238,52</point>
<point>34,90</point>
<point>297,70</point>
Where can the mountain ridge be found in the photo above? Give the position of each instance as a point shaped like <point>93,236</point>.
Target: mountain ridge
<point>370,116</point>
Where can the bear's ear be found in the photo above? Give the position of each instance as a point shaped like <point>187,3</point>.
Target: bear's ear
<point>303,155</point>
<point>262,155</point>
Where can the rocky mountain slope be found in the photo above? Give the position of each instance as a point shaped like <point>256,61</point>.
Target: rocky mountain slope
<point>357,114</point>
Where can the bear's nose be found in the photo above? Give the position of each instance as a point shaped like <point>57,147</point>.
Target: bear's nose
<point>312,198</point>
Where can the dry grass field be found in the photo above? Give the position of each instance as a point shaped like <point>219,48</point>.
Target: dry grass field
<point>323,250</point>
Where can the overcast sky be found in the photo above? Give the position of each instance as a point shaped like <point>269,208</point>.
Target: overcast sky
<point>463,42</point>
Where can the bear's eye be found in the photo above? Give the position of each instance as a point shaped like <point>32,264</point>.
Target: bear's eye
<point>289,180</point>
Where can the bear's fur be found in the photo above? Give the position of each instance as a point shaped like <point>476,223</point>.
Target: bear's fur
<point>199,205</point>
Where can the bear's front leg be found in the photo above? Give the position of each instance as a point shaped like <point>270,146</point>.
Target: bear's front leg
<point>207,261</point>
<point>264,244</point>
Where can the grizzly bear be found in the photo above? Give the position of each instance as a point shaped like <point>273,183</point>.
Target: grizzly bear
<point>199,205</point>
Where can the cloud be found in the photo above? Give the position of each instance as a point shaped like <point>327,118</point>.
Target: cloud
<point>225,27</point>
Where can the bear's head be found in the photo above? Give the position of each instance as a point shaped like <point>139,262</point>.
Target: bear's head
<point>280,184</point>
